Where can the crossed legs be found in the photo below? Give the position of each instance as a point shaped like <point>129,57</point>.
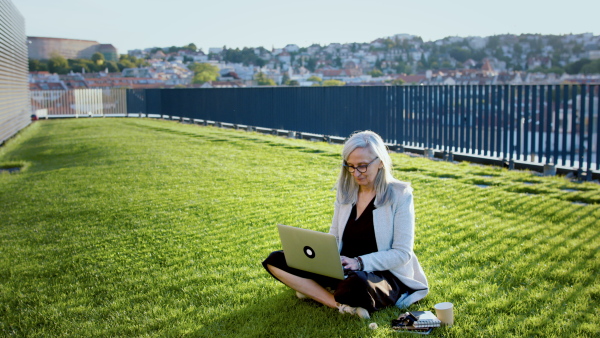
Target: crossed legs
<point>308,287</point>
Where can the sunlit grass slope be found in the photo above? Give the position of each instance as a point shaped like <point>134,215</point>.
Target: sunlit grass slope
<point>136,227</point>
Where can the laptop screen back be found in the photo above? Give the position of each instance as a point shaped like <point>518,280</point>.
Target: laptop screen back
<point>311,251</point>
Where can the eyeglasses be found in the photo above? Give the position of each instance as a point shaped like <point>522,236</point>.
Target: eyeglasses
<point>361,168</point>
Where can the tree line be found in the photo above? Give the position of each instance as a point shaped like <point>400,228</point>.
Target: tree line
<point>58,64</point>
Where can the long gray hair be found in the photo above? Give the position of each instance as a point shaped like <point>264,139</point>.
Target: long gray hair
<point>347,188</point>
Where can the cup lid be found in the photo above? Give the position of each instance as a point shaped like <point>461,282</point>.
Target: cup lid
<point>443,306</point>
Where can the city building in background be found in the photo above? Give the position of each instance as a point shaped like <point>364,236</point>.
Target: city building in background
<point>41,48</point>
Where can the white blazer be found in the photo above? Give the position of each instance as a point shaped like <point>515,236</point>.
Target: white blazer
<point>394,225</point>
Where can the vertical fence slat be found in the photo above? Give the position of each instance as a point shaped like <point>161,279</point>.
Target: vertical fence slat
<point>525,122</point>
<point>481,100</point>
<point>573,116</point>
<point>581,133</point>
<point>556,129</point>
<point>590,131</point>
<point>564,134</point>
<point>401,92</point>
<point>519,122</point>
<point>493,121</point>
<point>535,124</point>
<point>542,127</point>
<point>505,118</point>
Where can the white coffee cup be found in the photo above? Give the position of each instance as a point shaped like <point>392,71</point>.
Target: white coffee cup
<point>445,313</point>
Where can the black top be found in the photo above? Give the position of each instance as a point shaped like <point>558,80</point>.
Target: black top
<point>359,234</point>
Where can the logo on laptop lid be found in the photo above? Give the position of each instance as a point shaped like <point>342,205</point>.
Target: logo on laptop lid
<point>309,252</point>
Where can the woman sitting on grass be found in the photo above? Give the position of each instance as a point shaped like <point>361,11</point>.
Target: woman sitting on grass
<point>373,222</point>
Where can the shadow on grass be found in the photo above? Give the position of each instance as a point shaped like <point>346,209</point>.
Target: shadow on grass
<point>283,315</point>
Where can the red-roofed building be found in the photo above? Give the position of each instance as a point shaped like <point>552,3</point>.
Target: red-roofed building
<point>47,86</point>
<point>339,73</point>
<point>124,82</point>
<point>411,79</point>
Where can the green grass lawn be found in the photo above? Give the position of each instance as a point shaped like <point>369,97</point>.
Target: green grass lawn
<point>137,227</point>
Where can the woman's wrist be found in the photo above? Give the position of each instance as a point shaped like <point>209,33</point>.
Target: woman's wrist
<point>360,263</point>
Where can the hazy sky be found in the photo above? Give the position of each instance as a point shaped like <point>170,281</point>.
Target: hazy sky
<point>133,24</point>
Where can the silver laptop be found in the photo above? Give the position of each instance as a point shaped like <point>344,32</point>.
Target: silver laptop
<point>311,251</point>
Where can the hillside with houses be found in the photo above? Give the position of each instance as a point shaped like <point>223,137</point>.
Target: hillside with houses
<point>395,60</point>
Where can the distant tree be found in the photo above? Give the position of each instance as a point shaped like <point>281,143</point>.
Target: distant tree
<point>554,40</point>
<point>479,55</point>
<point>191,47</point>
<point>260,62</point>
<point>293,83</point>
<point>263,80</point>
<point>402,67</point>
<point>405,45</point>
<point>554,70</point>
<point>82,65</point>
<point>337,62</point>
<point>130,61</point>
<point>397,82</point>
<point>333,83</point>
<point>389,43</point>
<point>378,63</point>
<point>311,64</point>
<point>576,67</point>
<point>58,64</point>
<point>37,65</point>
<point>204,72</point>
<point>493,42</point>
<point>112,66</point>
<point>424,61</point>
<point>460,54</point>
<point>315,78</point>
<point>125,64</point>
<point>246,56</point>
<point>518,49</point>
<point>98,58</point>
<point>498,53</point>
<point>592,67</point>
<point>577,49</point>
<point>376,73</point>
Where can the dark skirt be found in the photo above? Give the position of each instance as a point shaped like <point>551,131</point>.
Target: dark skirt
<point>369,290</point>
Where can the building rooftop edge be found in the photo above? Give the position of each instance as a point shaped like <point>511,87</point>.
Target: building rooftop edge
<point>43,37</point>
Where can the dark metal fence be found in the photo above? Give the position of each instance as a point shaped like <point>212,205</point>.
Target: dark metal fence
<point>540,124</point>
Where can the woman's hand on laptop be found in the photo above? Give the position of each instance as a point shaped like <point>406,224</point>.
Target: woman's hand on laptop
<point>349,263</point>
